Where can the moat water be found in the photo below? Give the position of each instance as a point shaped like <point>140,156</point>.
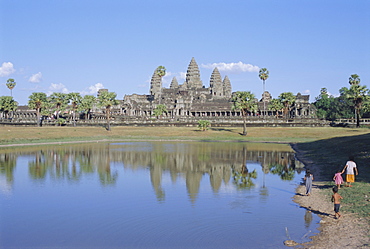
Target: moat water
<point>151,195</point>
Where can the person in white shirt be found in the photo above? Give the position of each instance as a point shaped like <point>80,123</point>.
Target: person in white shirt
<point>351,169</point>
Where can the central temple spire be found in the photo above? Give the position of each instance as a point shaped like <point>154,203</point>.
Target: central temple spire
<point>193,75</point>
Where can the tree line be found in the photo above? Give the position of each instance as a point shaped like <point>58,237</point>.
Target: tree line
<point>57,104</point>
<point>352,102</point>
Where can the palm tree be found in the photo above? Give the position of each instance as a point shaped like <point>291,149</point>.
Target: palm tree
<point>160,71</point>
<point>357,94</point>
<point>87,103</point>
<point>263,74</point>
<point>75,99</point>
<point>203,125</point>
<point>276,106</point>
<point>7,104</point>
<point>244,102</point>
<point>107,100</point>
<point>287,98</point>
<point>47,108</point>
<point>60,101</point>
<point>37,101</point>
<point>354,79</point>
<point>10,83</point>
<point>159,110</point>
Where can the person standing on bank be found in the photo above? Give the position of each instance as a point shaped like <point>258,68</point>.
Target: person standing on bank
<point>308,178</point>
<point>338,178</point>
<point>336,199</point>
<point>351,169</point>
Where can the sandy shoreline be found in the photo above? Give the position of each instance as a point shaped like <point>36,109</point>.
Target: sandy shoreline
<point>349,231</point>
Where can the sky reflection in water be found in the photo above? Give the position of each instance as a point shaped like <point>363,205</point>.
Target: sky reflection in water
<point>151,195</point>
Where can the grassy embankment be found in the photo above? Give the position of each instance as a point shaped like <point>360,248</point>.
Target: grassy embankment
<point>21,135</point>
<point>325,146</point>
<point>331,154</point>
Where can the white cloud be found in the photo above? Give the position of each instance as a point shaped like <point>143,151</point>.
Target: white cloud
<point>232,67</point>
<point>306,92</point>
<point>183,75</point>
<point>57,88</point>
<point>91,90</point>
<point>6,69</point>
<point>35,78</point>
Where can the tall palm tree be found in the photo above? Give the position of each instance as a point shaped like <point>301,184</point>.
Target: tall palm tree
<point>87,103</point>
<point>8,105</point>
<point>354,79</point>
<point>107,100</point>
<point>36,101</point>
<point>160,71</point>
<point>263,75</point>
<point>244,102</point>
<point>10,83</point>
<point>357,94</point>
<point>60,101</point>
<point>75,99</point>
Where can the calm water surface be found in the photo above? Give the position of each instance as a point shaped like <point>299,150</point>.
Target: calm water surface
<point>151,195</point>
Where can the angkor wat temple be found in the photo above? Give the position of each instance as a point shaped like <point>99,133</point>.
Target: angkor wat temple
<point>186,104</point>
<point>194,100</point>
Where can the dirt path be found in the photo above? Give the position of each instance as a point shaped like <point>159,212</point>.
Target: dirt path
<point>349,231</point>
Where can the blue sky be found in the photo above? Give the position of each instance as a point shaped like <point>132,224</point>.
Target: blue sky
<point>84,45</point>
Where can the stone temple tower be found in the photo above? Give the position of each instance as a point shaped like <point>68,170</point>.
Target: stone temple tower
<point>155,85</point>
<point>193,76</point>
<point>216,84</point>
<point>227,87</point>
<point>174,83</point>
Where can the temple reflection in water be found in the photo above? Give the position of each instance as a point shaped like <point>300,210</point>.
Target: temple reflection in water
<point>191,161</point>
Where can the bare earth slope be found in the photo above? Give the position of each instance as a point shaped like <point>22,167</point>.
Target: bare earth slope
<point>349,231</point>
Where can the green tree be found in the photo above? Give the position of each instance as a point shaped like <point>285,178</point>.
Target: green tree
<point>87,103</point>
<point>75,99</point>
<point>357,94</point>
<point>276,106</point>
<point>354,79</point>
<point>244,102</point>
<point>263,75</point>
<point>160,71</point>
<point>7,105</point>
<point>325,106</point>
<point>60,102</point>
<point>36,101</point>
<point>107,100</point>
<point>48,108</point>
<point>10,83</point>
<point>159,110</point>
<point>203,125</point>
<point>288,99</point>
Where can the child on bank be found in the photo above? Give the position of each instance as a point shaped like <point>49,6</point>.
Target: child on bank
<point>336,199</point>
<point>308,178</point>
<point>338,178</point>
